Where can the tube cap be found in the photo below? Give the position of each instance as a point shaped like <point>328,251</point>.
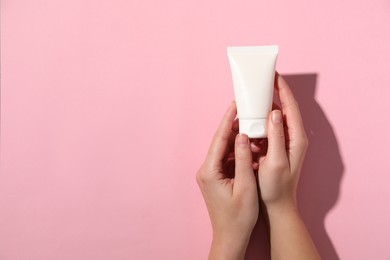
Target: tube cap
<point>254,127</point>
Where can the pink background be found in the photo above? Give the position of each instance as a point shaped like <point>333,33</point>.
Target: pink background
<point>108,107</point>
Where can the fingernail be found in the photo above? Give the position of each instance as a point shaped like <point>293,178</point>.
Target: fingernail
<point>277,116</point>
<point>242,140</point>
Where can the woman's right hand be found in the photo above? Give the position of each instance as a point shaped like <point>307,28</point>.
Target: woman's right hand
<point>280,168</point>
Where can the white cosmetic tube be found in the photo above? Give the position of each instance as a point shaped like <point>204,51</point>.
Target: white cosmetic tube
<point>253,72</point>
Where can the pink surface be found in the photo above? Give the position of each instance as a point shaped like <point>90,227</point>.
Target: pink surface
<point>108,107</point>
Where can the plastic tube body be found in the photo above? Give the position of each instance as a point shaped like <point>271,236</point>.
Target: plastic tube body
<point>253,73</point>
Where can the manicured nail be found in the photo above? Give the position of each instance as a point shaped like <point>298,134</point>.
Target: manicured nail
<point>277,116</point>
<point>242,140</point>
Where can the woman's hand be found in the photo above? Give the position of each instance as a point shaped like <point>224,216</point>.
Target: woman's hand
<point>280,168</point>
<point>278,175</point>
<point>229,188</point>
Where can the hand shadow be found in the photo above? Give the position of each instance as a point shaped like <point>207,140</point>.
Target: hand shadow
<point>319,184</point>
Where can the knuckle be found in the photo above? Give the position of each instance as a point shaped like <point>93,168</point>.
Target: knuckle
<point>243,158</point>
<point>290,103</point>
<point>306,142</point>
<point>279,133</point>
<point>296,104</point>
<point>241,155</point>
<point>303,142</point>
<point>278,165</point>
<point>201,177</point>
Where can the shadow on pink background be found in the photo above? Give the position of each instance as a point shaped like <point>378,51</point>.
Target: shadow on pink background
<point>323,169</point>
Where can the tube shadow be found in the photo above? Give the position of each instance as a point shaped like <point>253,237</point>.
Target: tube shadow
<point>321,175</point>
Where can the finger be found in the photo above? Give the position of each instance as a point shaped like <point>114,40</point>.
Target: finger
<point>235,126</point>
<point>276,140</point>
<point>244,177</point>
<point>220,143</point>
<point>290,109</point>
<point>255,148</point>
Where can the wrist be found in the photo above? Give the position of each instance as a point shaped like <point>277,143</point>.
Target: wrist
<point>228,246</point>
<point>281,209</point>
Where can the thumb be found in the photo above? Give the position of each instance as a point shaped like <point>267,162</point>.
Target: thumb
<point>244,177</point>
<point>276,140</point>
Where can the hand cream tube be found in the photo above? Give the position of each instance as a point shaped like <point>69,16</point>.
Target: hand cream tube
<point>253,72</point>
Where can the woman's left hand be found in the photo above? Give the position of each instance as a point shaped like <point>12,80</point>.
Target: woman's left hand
<point>229,188</point>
